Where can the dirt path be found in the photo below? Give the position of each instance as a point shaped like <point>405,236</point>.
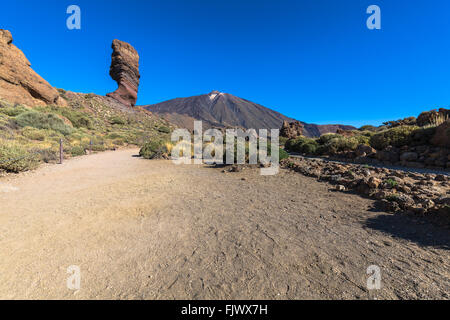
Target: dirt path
<point>143,229</point>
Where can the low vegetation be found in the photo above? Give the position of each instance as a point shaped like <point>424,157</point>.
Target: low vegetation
<point>89,122</point>
<point>332,144</point>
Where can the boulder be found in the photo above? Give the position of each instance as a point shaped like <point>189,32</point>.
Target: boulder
<point>374,182</point>
<point>345,133</point>
<point>125,71</point>
<point>442,136</point>
<point>390,154</point>
<point>364,150</point>
<point>409,156</point>
<point>19,83</point>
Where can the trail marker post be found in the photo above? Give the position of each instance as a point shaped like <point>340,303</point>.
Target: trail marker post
<point>61,152</point>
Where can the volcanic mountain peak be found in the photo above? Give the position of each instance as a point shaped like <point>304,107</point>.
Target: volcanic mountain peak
<point>219,109</point>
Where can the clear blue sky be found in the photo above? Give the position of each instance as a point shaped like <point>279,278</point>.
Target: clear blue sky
<point>313,60</point>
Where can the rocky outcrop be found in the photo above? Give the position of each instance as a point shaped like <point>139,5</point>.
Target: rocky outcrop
<point>442,136</point>
<point>433,116</point>
<point>18,82</point>
<point>291,130</point>
<point>125,70</point>
<point>345,133</point>
<point>396,190</point>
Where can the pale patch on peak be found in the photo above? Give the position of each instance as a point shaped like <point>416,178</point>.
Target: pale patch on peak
<point>214,94</point>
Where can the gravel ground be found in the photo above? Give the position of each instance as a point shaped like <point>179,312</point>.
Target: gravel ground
<point>142,229</point>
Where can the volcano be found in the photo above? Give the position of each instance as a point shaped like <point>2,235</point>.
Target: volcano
<point>223,110</point>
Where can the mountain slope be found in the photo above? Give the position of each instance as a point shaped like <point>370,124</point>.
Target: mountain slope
<point>218,109</point>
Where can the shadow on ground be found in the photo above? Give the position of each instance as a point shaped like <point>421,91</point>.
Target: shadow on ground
<point>416,229</point>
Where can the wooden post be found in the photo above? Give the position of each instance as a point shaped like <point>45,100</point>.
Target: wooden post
<point>61,151</point>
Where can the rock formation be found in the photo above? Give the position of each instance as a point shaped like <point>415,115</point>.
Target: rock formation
<point>432,117</point>
<point>18,82</point>
<point>291,130</point>
<point>125,70</point>
<point>442,135</point>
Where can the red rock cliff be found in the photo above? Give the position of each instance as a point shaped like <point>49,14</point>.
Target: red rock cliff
<point>18,82</point>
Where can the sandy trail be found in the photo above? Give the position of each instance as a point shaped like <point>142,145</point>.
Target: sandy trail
<point>143,229</point>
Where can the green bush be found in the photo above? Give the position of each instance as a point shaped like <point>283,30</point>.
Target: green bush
<point>13,111</point>
<point>397,137</point>
<point>368,128</point>
<point>78,119</point>
<point>98,147</point>
<point>43,121</point>
<point>302,145</point>
<point>77,151</point>
<point>340,144</point>
<point>118,142</point>
<point>309,148</point>
<point>362,139</point>
<point>325,138</point>
<point>283,141</point>
<point>391,182</point>
<point>153,149</point>
<point>114,135</point>
<point>117,120</point>
<point>164,129</point>
<point>34,134</point>
<point>48,155</point>
<point>283,154</point>
<point>15,158</point>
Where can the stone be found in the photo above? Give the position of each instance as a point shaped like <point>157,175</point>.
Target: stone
<point>19,83</point>
<point>340,187</point>
<point>409,156</point>
<point>125,71</point>
<point>374,182</point>
<point>428,204</point>
<point>430,117</point>
<point>390,154</point>
<point>363,150</point>
<point>291,130</point>
<point>404,201</point>
<point>442,136</point>
<point>390,206</point>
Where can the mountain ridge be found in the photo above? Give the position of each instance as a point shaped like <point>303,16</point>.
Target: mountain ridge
<point>223,110</point>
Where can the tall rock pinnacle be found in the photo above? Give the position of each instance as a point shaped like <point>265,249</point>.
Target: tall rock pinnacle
<point>125,71</point>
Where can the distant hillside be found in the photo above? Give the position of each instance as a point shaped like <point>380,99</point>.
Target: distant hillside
<point>218,109</point>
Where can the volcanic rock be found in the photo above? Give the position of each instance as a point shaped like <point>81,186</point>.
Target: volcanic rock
<point>291,130</point>
<point>442,135</point>
<point>18,82</point>
<point>431,117</point>
<point>363,150</point>
<point>125,71</point>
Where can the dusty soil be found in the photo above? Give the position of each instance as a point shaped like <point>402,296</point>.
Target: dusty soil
<point>142,229</point>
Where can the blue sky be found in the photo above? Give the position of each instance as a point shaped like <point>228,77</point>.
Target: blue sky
<point>313,60</point>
